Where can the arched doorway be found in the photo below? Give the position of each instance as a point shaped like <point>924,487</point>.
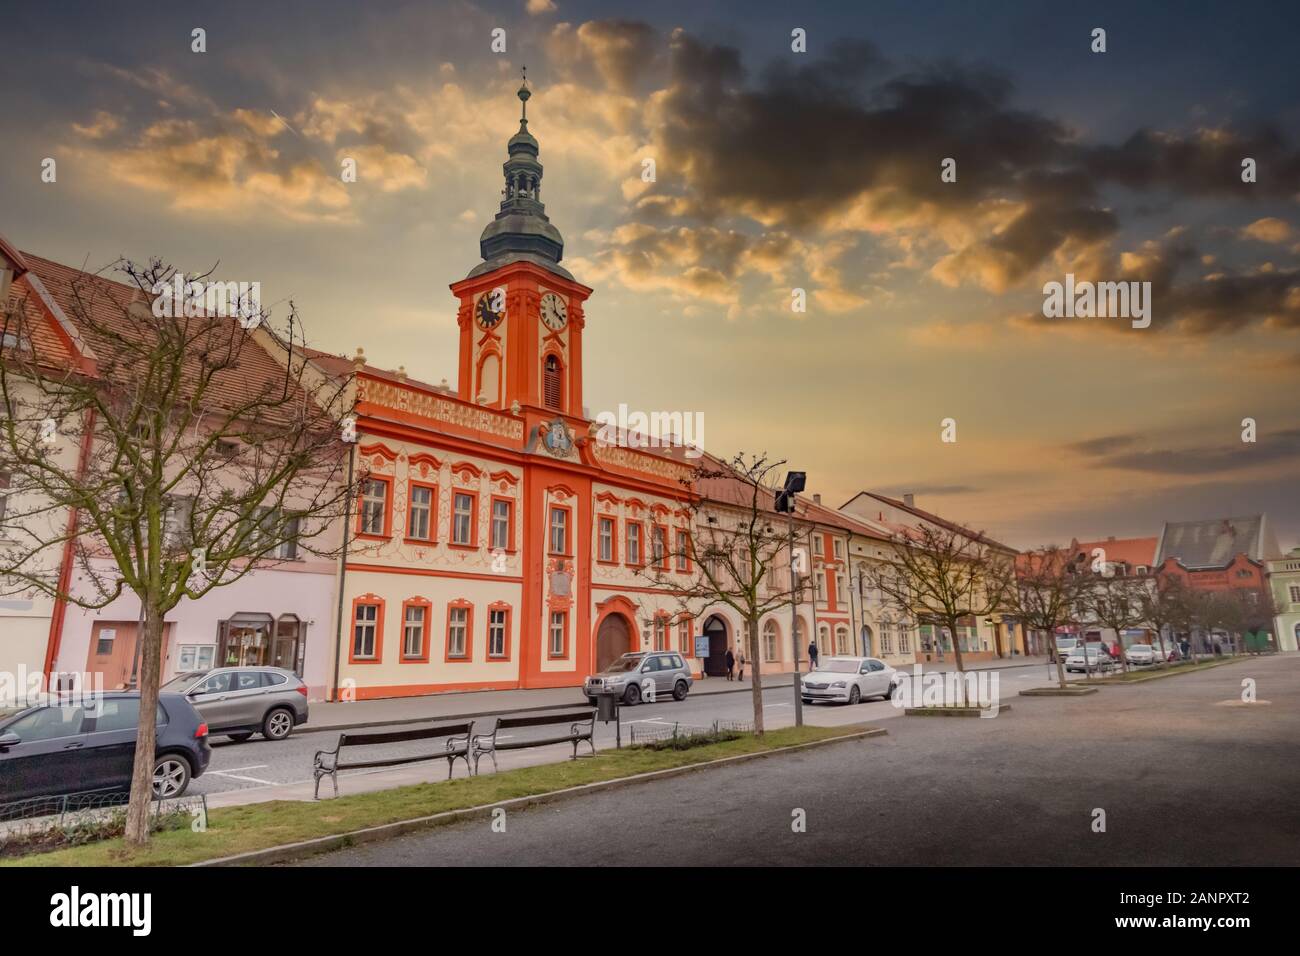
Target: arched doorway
<point>613,640</point>
<point>715,629</point>
<point>865,648</point>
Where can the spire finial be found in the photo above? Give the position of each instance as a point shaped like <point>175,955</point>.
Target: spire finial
<point>524,93</point>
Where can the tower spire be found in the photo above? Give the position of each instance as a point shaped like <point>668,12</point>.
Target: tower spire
<point>521,229</point>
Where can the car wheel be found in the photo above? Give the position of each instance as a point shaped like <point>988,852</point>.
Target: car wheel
<point>632,696</point>
<point>855,695</point>
<point>890,693</point>
<point>278,724</point>
<point>679,690</point>
<point>171,775</point>
<point>241,737</point>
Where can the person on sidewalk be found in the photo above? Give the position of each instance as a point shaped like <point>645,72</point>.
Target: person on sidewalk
<point>812,654</point>
<point>741,661</point>
<point>731,664</point>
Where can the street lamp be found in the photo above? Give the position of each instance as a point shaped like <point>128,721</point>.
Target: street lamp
<point>795,481</point>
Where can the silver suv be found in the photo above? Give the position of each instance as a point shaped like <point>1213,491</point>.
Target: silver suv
<point>641,675</point>
<point>238,702</point>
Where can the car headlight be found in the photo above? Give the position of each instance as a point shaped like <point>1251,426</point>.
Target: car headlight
<point>838,683</point>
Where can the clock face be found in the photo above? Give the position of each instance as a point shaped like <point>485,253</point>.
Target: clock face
<point>487,316</point>
<point>554,312</point>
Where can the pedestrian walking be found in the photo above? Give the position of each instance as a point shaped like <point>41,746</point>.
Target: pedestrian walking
<point>812,654</point>
<point>731,664</point>
<point>741,661</point>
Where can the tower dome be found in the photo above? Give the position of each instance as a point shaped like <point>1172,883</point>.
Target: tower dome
<point>521,231</point>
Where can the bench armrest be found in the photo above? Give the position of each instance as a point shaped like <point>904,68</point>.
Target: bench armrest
<point>319,762</point>
<point>491,738</point>
<point>589,721</point>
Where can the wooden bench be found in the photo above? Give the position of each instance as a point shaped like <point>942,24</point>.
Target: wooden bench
<point>489,743</point>
<point>457,738</point>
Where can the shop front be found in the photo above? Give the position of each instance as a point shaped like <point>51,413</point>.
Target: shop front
<point>261,640</point>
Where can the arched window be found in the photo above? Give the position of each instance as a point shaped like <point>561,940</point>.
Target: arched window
<point>770,638</point>
<point>553,384</point>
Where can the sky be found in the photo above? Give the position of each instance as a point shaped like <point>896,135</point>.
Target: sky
<point>774,170</point>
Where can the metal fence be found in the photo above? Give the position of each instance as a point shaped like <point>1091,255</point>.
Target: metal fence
<point>21,820</point>
<point>641,734</point>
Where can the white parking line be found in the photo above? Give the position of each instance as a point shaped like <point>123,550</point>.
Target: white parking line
<point>235,776</point>
<point>256,766</point>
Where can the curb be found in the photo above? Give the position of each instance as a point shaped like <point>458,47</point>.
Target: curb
<point>1058,692</point>
<point>328,728</point>
<point>385,831</point>
<point>1161,676</point>
<point>944,711</point>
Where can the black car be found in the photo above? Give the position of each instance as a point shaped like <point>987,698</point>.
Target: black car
<point>56,748</point>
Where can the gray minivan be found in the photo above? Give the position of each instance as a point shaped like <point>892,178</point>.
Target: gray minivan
<point>238,702</point>
<point>641,675</point>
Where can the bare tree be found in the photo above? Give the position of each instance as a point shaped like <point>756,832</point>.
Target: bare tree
<point>205,449</point>
<point>1113,602</point>
<point>1163,605</point>
<point>737,551</point>
<point>1045,595</point>
<point>940,575</point>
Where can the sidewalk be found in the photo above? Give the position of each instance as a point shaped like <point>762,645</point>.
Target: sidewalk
<point>489,703</point>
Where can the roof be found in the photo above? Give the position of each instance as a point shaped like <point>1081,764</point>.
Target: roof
<point>1135,552</point>
<point>92,306</point>
<point>1213,543</point>
<point>924,516</point>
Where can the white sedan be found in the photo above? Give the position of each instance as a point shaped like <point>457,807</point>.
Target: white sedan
<point>847,680</point>
<point>1097,660</point>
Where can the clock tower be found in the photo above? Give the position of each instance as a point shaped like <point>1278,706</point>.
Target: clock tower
<point>521,312</point>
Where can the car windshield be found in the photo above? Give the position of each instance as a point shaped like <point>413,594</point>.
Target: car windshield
<point>181,681</point>
<point>840,667</point>
<point>623,664</point>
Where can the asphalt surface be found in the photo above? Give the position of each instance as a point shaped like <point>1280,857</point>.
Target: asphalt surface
<point>260,763</point>
<point>1185,772</point>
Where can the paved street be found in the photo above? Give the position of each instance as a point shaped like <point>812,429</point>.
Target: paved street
<point>246,772</point>
<point>1186,774</point>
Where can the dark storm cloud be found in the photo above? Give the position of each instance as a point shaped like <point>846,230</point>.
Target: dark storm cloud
<point>1271,447</point>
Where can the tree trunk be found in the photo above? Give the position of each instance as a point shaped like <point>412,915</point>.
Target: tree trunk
<point>757,687</point>
<point>137,813</point>
<point>1060,666</point>
<point>1164,654</point>
<point>956,656</point>
<point>1123,651</point>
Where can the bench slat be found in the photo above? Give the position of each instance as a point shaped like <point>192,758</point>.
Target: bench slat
<point>404,736</point>
<point>538,720</point>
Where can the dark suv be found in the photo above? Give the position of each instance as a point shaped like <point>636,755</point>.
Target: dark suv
<point>60,748</point>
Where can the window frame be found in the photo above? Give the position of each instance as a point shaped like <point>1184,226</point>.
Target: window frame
<point>567,511</point>
<point>550,635</point>
<point>629,525</point>
<point>503,608</point>
<point>460,604</point>
<point>427,606</point>
<point>379,603</point>
<point>601,522</point>
<point>510,523</point>
<point>361,532</point>
<point>472,544</point>
<point>432,537</point>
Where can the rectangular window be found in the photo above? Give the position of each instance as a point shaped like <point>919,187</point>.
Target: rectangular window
<point>559,531</point>
<point>288,549</point>
<point>413,632</point>
<point>633,543</point>
<point>661,634</point>
<point>463,520</point>
<point>606,540</point>
<point>458,632</point>
<point>364,630</point>
<point>841,592</point>
<point>658,554</point>
<point>819,585</point>
<point>421,513</point>
<point>683,551</point>
<point>819,545</point>
<point>559,627</point>
<point>1295,594</point>
<point>374,506</point>
<point>684,638</point>
<point>104,642</point>
<point>839,549</point>
<point>497,633</point>
<point>196,657</point>
<point>501,525</point>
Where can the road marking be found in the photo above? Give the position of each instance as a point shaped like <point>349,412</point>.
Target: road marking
<point>235,776</point>
<point>256,766</point>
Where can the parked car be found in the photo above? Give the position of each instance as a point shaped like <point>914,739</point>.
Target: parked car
<point>1142,654</point>
<point>238,702</point>
<point>1098,659</point>
<point>55,749</point>
<point>848,680</point>
<point>1064,646</point>
<point>633,675</point>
